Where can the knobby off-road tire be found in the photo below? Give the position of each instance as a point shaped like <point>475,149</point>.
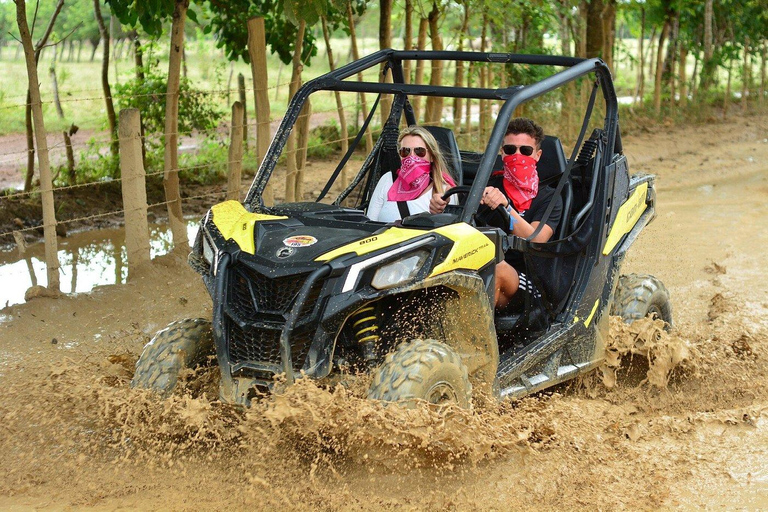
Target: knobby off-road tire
<point>640,295</point>
<point>422,370</point>
<point>183,344</point>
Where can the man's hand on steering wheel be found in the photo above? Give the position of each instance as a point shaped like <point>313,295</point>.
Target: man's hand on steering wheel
<point>492,197</point>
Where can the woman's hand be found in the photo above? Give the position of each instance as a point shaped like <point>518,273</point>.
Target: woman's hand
<point>492,197</point>
<point>437,204</point>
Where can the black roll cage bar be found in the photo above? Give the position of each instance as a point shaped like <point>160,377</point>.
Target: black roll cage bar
<point>513,97</point>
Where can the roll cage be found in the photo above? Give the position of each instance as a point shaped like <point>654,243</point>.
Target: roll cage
<point>512,97</point>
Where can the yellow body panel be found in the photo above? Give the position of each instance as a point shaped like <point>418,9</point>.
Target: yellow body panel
<point>389,237</point>
<point>235,222</point>
<point>626,217</point>
<point>471,249</point>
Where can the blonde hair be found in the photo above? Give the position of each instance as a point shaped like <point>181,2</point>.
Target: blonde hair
<point>439,167</point>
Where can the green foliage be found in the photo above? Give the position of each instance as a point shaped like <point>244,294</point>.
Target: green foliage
<point>149,96</point>
<point>229,23</point>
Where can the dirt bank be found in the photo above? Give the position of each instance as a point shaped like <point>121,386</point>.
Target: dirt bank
<point>72,434</point>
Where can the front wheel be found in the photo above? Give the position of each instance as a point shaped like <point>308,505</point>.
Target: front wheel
<point>422,370</point>
<point>182,345</point>
<point>641,295</point>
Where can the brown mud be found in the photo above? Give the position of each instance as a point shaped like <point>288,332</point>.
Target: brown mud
<point>672,420</point>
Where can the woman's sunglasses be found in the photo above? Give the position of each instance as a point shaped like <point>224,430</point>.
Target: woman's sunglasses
<point>419,152</point>
<point>511,149</point>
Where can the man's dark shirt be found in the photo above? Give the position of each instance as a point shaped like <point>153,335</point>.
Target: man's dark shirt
<point>534,213</point>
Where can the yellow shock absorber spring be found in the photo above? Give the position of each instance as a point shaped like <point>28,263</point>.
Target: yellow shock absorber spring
<point>365,325</point>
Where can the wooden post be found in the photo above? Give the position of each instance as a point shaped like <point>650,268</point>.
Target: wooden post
<point>241,90</point>
<point>235,163</point>
<point>134,189</point>
<point>257,51</point>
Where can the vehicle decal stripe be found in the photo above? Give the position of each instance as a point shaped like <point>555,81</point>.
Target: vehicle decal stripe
<point>626,217</point>
<point>388,238</point>
<point>235,222</point>
<point>471,249</point>
<point>591,314</point>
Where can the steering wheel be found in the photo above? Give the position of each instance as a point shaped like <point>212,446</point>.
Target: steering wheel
<point>498,218</point>
<point>461,189</point>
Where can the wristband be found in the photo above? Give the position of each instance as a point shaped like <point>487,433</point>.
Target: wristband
<point>512,220</point>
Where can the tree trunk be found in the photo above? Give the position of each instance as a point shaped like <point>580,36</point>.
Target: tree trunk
<point>257,51</point>
<point>746,76</point>
<point>468,105</point>
<point>681,76</point>
<point>608,17</point>
<point>659,64</point>
<point>408,42</point>
<point>709,65</point>
<point>459,78</point>
<point>241,96</point>
<point>38,48</point>
<point>356,56</point>
<point>385,41</point>
<point>668,70</point>
<point>339,104</point>
<point>138,57</point>
<point>71,177</point>
<point>55,84</point>
<point>434,104</point>
<point>421,44</point>
<point>292,175</point>
<point>30,145</point>
<point>761,98</point>
<point>640,59</point>
<point>727,97</point>
<point>484,104</point>
<point>171,160</point>
<point>46,185</point>
<point>595,36</point>
<point>114,146</point>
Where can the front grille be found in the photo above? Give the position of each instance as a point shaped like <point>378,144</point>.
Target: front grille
<point>261,345</point>
<point>254,298</point>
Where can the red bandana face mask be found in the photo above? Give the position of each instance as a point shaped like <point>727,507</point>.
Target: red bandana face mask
<point>521,181</point>
<point>412,179</point>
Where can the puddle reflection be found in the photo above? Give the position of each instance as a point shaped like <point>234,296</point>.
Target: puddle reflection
<point>87,259</point>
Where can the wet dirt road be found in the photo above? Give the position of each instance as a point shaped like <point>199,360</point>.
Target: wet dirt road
<point>73,435</point>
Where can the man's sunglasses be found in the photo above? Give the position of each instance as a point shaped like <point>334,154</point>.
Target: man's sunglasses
<point>511,149</point>
<point>419,152</point>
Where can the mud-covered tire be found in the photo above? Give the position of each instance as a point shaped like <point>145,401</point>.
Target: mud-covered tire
<point>182,344</point>
<point>640,295</point>
<point>422,370</point>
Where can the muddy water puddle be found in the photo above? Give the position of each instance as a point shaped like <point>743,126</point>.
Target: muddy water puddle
<point>88,259</point>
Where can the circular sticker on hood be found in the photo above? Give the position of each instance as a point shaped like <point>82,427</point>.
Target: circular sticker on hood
<point>300,241</point>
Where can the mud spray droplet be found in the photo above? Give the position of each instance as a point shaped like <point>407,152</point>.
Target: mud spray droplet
<point>54,341</point>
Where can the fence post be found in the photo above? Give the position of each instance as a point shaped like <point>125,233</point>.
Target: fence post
<point>257,50</point>
<point>235,161</point>
<point>241,89</point>
<point>134,189</point>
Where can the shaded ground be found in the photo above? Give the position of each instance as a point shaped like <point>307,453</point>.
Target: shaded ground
<point>72,434</point>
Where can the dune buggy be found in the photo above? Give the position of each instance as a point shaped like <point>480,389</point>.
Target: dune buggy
<point>315,289</point>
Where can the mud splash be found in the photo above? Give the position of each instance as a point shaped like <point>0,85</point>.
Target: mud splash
<point>646,339</point>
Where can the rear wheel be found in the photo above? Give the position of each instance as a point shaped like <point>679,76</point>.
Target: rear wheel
<point>422,370</point>
<point>641,295</point>
<point>182,345</point>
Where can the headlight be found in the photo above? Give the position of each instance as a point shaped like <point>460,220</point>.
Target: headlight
<point>208,250</point>
<point>399,271</point>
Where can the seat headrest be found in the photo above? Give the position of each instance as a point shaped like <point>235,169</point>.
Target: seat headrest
<point>552,162</point>
<point>450,149</point>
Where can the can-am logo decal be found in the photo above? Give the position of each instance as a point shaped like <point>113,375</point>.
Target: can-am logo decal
<point>284,252</point>
<point>300,241</point>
